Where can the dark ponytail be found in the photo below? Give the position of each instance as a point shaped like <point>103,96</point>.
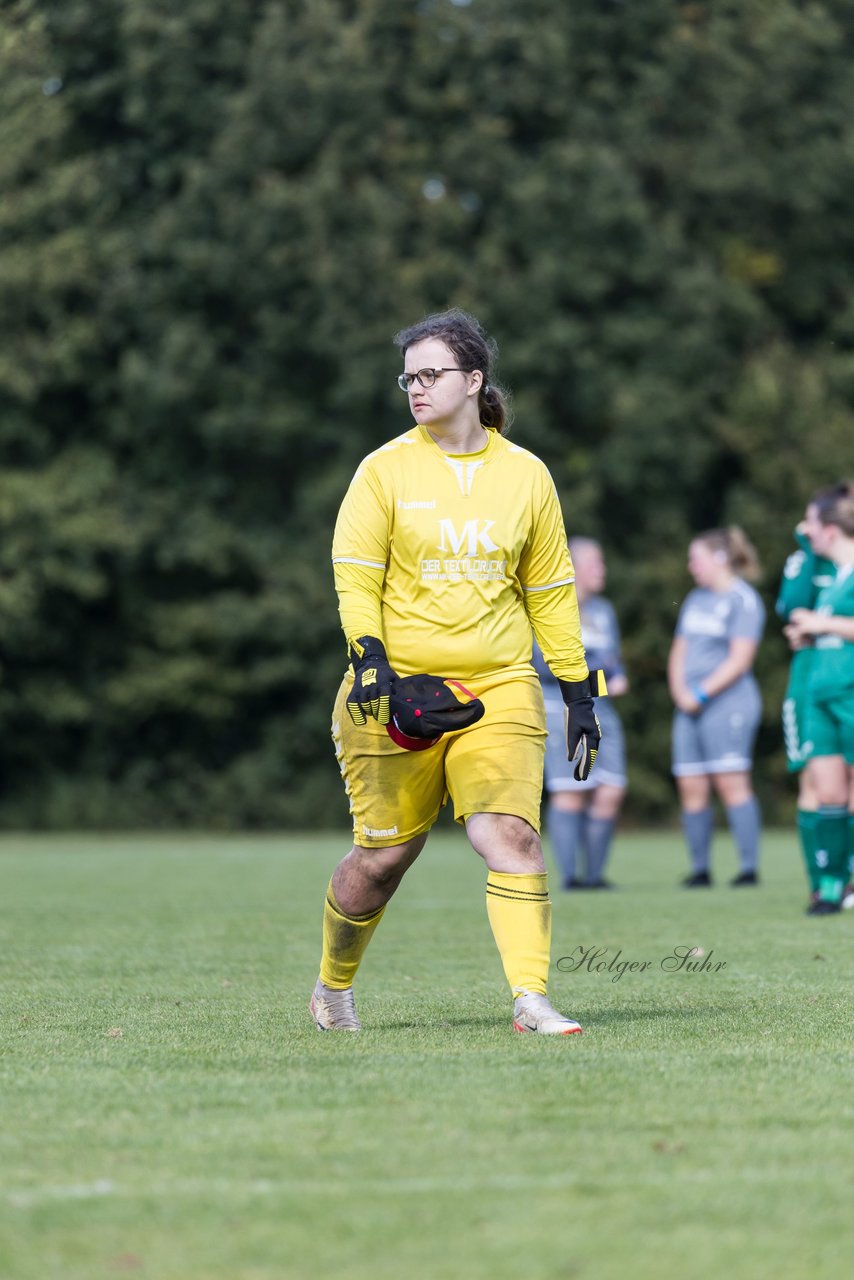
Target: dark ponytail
<point>494,409</point>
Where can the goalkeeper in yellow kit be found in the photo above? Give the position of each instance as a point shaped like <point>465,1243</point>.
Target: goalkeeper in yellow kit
<point>449,547</point>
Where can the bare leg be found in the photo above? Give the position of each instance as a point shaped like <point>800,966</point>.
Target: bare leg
<point>733,788</point>
<point>606,801</point>
<point>694,792</point>
<point>366,879</point>
<point>360,887</point>
<point>506,843</point>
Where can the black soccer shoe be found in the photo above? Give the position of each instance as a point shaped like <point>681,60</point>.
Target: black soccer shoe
<point>699,880</point>
<point>822,908</point>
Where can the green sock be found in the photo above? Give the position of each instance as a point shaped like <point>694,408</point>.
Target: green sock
<point>850,847</point>
<point>832,851</point>
<point>807,820</point>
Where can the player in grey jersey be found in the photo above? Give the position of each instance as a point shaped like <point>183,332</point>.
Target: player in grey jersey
<point>582,816</point>
<point>718,707</point>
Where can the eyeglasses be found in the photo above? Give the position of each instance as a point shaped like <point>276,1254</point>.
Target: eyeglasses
<point>427,377</point>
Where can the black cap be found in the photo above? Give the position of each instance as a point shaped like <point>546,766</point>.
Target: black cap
<point>424,707</point>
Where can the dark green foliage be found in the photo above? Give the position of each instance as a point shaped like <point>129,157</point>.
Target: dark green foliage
<point>213,218</point>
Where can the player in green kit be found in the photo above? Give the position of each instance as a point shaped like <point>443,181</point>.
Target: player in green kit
<point>804,575</point>
<point>829,526</point>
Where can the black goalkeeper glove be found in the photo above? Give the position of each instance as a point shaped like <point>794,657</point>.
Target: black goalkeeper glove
<point>583,732</point>
<point>372,687</point>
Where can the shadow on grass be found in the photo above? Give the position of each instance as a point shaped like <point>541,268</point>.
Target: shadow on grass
<point>592,1017</point>
<point>631,1013</point>
<point>427,1024</point>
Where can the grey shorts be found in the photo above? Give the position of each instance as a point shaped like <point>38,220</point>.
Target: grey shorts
<point>720,739</point>
<point>610,766</point>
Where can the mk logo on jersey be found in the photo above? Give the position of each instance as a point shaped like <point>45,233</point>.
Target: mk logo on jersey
<point>474,533</point>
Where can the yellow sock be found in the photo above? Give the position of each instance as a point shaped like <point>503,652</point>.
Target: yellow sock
<point>520,914</point>
<point>344,941</point>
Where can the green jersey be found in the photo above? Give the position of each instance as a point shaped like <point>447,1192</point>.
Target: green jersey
<point>832,670</point>
<point>804,575</point>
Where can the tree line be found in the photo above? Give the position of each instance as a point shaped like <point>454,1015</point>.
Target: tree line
<point>213,217</point>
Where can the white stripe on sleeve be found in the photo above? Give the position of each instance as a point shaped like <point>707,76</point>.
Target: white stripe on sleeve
<point>371,564</point>
<point>562,582</point>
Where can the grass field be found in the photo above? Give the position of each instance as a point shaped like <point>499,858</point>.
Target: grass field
<point>168,1110</point>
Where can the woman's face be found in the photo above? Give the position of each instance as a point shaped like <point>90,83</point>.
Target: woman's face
<point>590,572</point>
<point>705,565</point>
<point>818,535</point>
<point>451,394</point>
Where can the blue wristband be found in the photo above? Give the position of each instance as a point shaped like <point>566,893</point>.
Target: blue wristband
<point>700,694</point>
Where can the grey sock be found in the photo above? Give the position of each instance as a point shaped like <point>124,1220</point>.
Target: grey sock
<point>566,832</point>
<point>698,829</point>
<point>600,833</point>
<point>745,823</point>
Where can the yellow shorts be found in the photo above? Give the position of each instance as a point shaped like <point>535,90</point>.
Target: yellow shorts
<point>494,766</point>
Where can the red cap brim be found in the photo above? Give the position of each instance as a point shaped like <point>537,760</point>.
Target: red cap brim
<point>409,744</point>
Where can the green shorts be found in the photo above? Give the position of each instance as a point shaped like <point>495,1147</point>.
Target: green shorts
<point>830,727</point>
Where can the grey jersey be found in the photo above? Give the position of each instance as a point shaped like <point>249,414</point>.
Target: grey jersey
<point>709,620</point>
<point>600,635</point>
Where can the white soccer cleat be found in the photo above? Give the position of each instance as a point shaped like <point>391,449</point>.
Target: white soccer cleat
<point>533,1012</point>
<point>334,1010</point>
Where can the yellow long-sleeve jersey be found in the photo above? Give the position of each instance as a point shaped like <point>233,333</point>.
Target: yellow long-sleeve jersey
<point>451,559</point>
